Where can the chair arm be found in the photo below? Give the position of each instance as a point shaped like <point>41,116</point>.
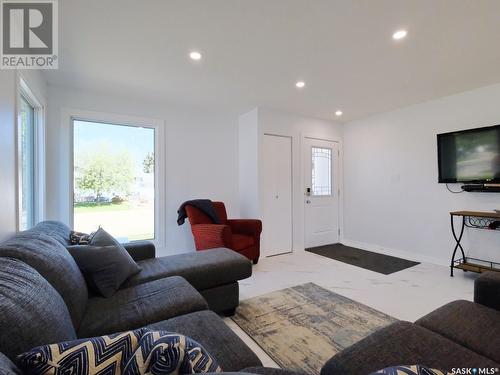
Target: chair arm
<point>209,236</point>
<point>487,289</point>
<point>140,250</point>
<point>250,227</point>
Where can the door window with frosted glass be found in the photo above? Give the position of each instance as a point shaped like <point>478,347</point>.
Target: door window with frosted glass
<point>321,171</point>
<point>114,179</point>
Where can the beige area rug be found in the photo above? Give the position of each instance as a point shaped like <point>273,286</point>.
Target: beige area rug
<point>301,327</point>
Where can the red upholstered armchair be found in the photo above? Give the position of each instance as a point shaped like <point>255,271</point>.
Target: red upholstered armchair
<point>240,235</point>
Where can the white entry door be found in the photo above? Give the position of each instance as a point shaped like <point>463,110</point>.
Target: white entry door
<point>321,192</point>
<point>276,195</point>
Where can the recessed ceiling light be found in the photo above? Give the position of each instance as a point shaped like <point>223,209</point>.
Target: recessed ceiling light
<point>195,55</point>
<point>338,113</point>
<point>300,84</point>
<point>400,34</point>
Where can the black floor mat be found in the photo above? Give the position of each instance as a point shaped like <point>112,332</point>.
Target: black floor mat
<point>369,260</point>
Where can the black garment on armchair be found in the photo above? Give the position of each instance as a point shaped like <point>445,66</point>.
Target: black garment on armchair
<point>204,205</point>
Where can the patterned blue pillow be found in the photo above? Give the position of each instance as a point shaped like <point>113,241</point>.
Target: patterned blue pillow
<point>409,370</point>
<point>169,353</point>
<point>132,352</point>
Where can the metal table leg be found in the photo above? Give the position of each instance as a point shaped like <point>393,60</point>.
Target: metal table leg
<point>457,239</point>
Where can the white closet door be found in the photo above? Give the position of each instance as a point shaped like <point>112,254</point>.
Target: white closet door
<point>276,195</point>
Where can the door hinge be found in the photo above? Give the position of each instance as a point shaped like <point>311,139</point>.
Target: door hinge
<point>339,232</point>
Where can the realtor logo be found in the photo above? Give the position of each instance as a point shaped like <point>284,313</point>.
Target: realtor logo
<point>29,34</point>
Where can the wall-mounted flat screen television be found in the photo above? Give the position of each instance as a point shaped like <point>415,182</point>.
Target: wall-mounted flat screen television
<point>470,156</point>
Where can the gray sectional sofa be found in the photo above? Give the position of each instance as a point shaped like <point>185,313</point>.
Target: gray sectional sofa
<point>213,273</point>
<point>460,334</point>
<point>44,298</point>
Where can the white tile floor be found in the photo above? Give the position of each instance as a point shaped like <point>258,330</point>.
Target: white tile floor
<point>406,295</point>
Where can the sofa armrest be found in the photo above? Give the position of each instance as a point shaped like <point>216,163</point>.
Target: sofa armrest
<point>209,236</point>
<point>250,227</point>
<point>487,289</point>
<point>140,250</point>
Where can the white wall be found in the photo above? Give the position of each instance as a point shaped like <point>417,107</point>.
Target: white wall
<point>248,148</point>
<point>201,156</point>
<point>392,200</point>
<point>270,121</point>
<point>9,90</point>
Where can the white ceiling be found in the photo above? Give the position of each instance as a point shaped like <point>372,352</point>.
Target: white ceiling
<point>255,50</point>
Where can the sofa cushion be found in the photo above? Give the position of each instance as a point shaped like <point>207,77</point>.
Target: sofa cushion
<point>54,263</point>
<point>7,367</point>
<point>32,313</point>
<point>242,241</point>
<point>104,262</point>
<point>209,330</point>
<point>403,342</point>
<point>469,324</point>
<point>137,306</point>
<point>54,229</point>
<point>203,269</point>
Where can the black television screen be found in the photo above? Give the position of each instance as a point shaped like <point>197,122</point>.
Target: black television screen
<point>471,156</point>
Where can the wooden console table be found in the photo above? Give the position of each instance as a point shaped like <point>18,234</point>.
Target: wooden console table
<point>476,220</point>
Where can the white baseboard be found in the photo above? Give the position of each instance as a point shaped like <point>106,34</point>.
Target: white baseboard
<point>395,252</point>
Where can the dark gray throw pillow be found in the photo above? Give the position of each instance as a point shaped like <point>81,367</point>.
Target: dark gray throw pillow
<point>104,262</point>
